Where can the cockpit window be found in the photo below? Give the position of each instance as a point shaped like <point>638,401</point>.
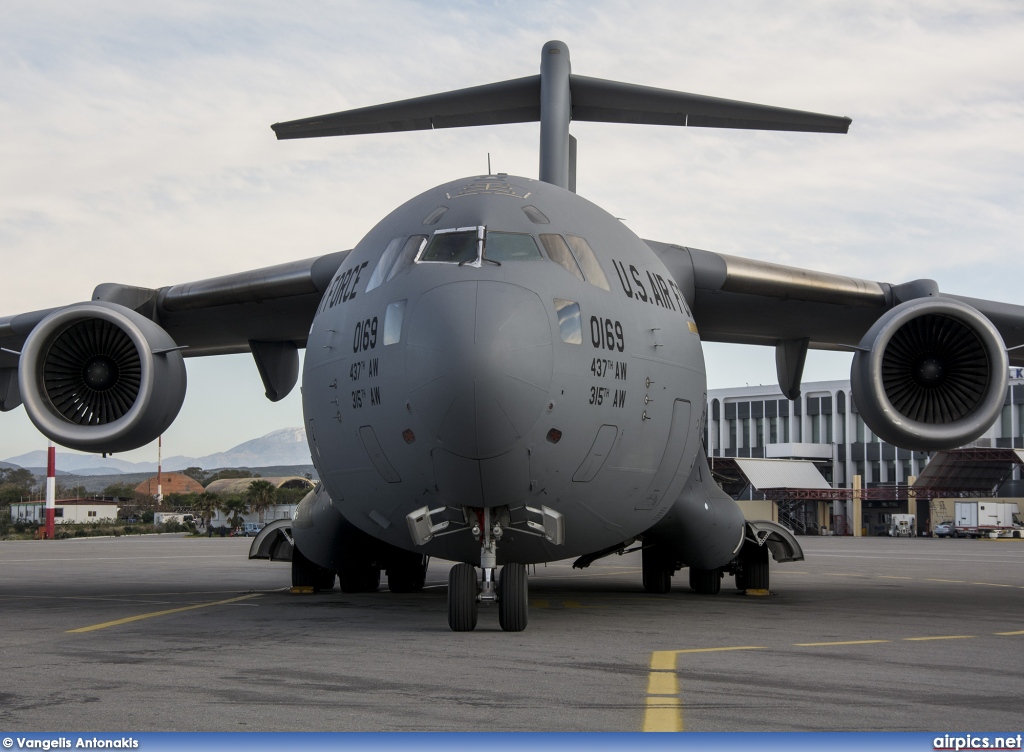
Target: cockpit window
<point>405,258</point>
<point>387,259</point>
<point>559,252</point>
<point>460,246</point>
<point>588,261</point>
<point>435,216</point>
<point>536,215</point>
<point>510,246</point>
<point>569,326</point>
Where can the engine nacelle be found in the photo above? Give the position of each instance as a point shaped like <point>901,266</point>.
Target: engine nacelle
<point>933,375</point>
<point>99,377</point>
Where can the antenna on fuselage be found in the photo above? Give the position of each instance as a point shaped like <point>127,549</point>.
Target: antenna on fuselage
<point>489,164</point>
<point>554,98</point>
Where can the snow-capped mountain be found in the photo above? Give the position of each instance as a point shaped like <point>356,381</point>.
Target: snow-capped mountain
<point>286,446</point>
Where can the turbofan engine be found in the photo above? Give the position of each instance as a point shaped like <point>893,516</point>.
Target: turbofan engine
<point>931,374</point>
<point>99,377</point>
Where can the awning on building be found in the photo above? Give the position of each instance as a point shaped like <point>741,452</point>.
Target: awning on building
<point>764,474</point>
<point>976,469</point>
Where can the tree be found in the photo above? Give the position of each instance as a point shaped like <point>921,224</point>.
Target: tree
<point>119,490</point>
<point>261,495</point>
<point>205,505</point>
<point>16,483</point>
<point>233,508</point>
<point>195,473</point>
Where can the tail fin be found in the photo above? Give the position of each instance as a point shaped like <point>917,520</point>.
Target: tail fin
<point>555,97</point>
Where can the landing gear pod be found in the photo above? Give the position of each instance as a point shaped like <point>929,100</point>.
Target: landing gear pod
<point>932,375</point>
<point>99,377</point>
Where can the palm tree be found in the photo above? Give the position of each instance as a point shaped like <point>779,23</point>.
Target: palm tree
<point>205,504</point>
<point>233,508</point>
<point>261,495</point>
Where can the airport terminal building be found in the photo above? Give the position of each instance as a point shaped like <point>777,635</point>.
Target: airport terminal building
<point>824,427</point>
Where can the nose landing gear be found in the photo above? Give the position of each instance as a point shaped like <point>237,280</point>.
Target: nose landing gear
<point>509,590</point>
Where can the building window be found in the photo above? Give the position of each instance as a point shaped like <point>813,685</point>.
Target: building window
<point>732,434</point>
<point>815,429</point>
<point>746,434</point>
<point>828,429</point>
<point>58,512</point>
<point>759,432</point>
<point>859,469</point>
<point>907,472</point>
<point>1007,422</point>
<point>773,430</point>
<point>92,512</point>
<point>860,429</point>
<point>841,426</point>
<point>797,428</point>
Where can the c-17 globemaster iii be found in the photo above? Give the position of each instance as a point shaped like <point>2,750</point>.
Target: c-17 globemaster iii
<point>501,373</point>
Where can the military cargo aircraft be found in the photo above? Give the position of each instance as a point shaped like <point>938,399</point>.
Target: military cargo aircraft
<point>500,373</point>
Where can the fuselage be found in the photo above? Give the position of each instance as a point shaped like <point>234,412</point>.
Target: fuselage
<point>500,342</point>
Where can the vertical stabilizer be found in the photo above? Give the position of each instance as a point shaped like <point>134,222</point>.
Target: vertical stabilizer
<point>555,114</point>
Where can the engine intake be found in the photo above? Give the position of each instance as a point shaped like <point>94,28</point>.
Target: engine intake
<point>934,375</point>
<point>99,377</point>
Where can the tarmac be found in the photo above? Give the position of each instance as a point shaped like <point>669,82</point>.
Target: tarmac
<point>172,633</point>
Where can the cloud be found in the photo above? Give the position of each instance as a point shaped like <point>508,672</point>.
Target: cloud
<point>137,145</point>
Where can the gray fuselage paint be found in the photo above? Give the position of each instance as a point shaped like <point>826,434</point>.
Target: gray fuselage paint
<point>481,374</point>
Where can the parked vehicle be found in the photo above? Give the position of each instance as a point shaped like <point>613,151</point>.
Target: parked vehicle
<point>902,526</point>
<point>945,529</point>
<point>986,517</point>
<point>248,529</point>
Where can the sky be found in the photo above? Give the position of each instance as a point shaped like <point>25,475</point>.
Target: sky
<point>137,147</point>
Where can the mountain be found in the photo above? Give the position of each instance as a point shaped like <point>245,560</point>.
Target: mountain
<point>8,466</point>
<point>286,446</point>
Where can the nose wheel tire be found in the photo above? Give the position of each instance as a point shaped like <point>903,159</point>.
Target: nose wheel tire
<point>462,603</point>
<point>657,575</point>
<point>513,598</point>
<point>706,581</point>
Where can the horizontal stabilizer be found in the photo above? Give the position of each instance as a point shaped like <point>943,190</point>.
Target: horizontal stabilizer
<point>515,101</point>
<point>599,100</point>
<point>593,99</point>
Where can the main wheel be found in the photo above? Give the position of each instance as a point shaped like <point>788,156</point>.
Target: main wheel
<point>513,598</point>
<point>657,575</point>
<point>462,592</point>
<point>307,574</point>
<point>408,577</point>
<point>706,581</point>
<point>325,581</point>
<point>755,564</point>
<point>356,578</point>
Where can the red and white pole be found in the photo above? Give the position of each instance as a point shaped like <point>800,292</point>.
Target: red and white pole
<point>159,470</point>
<point>51,488</point>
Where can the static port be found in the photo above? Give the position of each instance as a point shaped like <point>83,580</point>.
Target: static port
<point>554,435</point>
<point>408,435</point>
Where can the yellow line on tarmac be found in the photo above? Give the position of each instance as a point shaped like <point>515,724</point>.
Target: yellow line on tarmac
<point>664,708</point>
<point>1007,634</point>
<point>932,579</point>
<point>850,642</point>
<point>140,617</point>
<point>893,577</point>
<point>662,683</point>
<point>945,637</point>
<point>663,714</point>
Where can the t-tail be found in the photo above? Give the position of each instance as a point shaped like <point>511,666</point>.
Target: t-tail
<point>556,97</point>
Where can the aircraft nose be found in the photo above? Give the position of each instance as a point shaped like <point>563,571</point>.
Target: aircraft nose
<point>479,365</point>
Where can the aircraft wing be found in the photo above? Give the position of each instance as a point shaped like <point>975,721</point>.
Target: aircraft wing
<point>758,303</point>
<point>264,311</point>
